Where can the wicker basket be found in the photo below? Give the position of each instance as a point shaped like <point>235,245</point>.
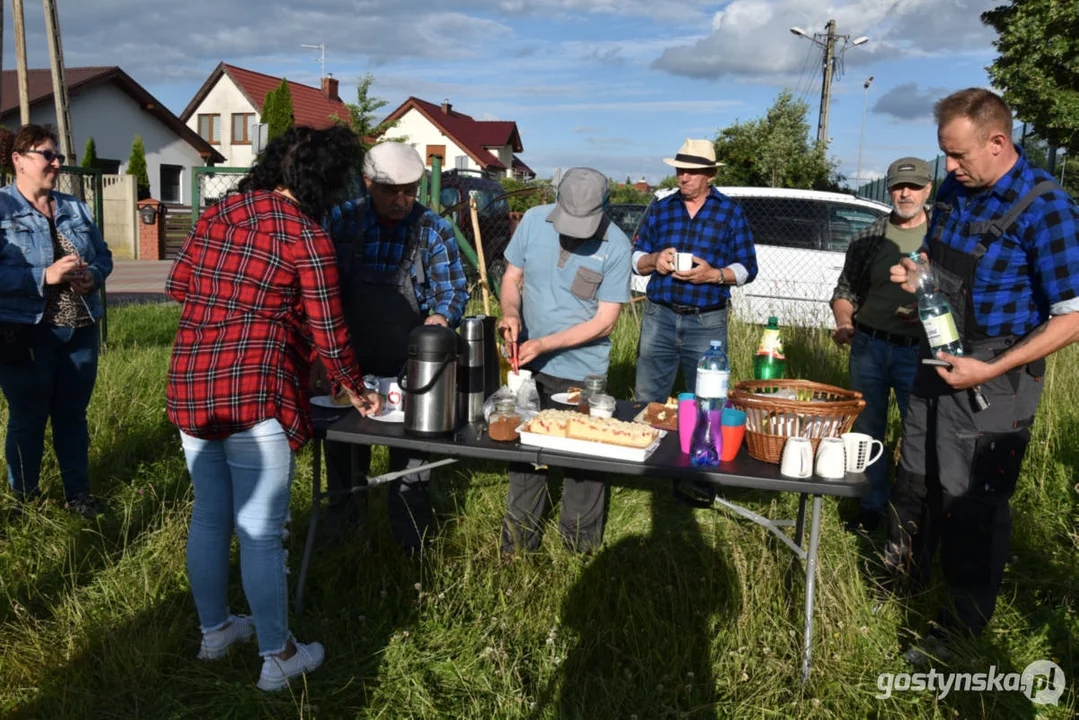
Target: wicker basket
<point>821,411</point>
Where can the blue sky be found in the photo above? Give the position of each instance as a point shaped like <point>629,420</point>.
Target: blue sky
<point>612,84</point>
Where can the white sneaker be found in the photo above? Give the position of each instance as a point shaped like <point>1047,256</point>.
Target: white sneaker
<point>216,642</point>
<point>276,672</point>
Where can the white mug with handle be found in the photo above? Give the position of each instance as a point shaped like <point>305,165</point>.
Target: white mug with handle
<point>831,463</point>
<point>797,459</point>
<point>859,446</point>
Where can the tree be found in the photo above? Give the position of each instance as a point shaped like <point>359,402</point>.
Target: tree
<point>1038,65</point>
<point>89,154</point>
<point>670,181</point>
<point>526,195</point>
<point>361,115</point>
<point>775,151</point>
<point>277,110</point>
<point>618,193</point>
<point>136,165</point>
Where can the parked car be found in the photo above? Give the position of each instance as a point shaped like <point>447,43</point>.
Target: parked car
<point>627,216</point>
<point>457,187</point>
<point>801,238</point>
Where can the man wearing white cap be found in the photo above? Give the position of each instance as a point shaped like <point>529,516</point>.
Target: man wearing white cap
<point>687,308</point>
<point>400,267</point>
<point>566,278</point>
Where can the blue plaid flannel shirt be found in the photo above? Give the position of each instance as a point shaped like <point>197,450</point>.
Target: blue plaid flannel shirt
<point>1034,265</point>
<point>445,289</point>
<point>718,233</point>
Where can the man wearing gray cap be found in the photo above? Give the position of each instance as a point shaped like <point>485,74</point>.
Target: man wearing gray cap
<point>566,278</point>
<point>400,268</point>
<point>879,320</point>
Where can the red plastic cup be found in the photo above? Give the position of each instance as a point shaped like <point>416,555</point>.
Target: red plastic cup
<point>687,420</point>
<point>732,440</point>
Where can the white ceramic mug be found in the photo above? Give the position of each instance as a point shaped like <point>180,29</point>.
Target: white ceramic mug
<point>389,389</point>
<point>859,446</point>
<point>514,379</point>
<point>797,458</point>
<point>831,458</point>
<point>683,262</point>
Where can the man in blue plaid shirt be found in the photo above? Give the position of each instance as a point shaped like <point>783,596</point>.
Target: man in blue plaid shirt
<point>687,308</point>
<point>400,268</point>
<point>1004,244</point>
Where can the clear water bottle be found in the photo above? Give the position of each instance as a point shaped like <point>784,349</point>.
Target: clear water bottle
<point>713,377</point>
<point>770,362</point>
<point>934,310</point>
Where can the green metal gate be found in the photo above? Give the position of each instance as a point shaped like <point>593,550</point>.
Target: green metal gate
<point>210,184</point>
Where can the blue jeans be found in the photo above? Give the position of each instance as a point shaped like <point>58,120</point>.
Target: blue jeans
<point>56,385</point>
<point>241,482</point>
<point>668,339</point>
<point>877,367</point>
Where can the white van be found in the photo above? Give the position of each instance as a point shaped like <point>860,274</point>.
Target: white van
<point>801,238</point>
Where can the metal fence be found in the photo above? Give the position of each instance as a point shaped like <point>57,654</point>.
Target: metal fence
<point>210,184</point>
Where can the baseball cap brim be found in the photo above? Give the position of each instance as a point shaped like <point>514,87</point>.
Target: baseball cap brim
<point>578,227</point>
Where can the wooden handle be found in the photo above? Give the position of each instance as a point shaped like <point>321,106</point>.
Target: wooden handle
<point>479,255</point>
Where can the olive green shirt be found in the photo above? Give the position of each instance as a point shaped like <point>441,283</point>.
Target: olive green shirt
<point>885,296</point>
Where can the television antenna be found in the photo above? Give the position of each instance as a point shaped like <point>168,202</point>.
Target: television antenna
<point>321,56</point>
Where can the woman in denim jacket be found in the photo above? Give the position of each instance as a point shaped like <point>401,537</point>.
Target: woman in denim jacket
<point>52,261</point>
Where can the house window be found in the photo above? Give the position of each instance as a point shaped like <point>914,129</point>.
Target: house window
<point>210,128</point>
<point>241,125</point>
<point>439,150</point>
<point>171,177</point>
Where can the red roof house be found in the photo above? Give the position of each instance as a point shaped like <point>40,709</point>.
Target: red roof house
<point>229,103</point>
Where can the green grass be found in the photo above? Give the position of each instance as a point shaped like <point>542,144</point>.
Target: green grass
<point>683,613</point>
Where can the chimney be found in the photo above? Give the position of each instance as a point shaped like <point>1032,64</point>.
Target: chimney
<point>329,88</point>
<point>446,106</point>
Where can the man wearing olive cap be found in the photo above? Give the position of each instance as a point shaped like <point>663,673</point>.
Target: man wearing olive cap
<point>400,268</point>
<point>567,276</point>
<point>879,319</point>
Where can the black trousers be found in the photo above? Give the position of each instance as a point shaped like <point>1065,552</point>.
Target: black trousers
<point>958,469</point>
<point>584,496</point>
<point>409,501</point>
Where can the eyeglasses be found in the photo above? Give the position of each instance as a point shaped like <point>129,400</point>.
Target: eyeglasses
<point>49,156</point>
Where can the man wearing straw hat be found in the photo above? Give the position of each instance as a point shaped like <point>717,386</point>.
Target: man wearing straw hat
<point>400,268</point>
<point>686,307</point>
<point>567,276</point>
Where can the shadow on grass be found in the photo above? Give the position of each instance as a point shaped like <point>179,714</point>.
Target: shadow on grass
<point>646,607</point>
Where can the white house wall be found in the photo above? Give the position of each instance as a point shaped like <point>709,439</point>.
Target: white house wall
<point>418,131</point>
<point>113,119</point>
<point>224,99</point>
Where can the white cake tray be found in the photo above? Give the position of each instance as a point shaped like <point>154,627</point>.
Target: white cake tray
<point>588,447</point>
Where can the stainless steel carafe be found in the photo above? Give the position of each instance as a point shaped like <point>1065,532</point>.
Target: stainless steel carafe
<point>471,380</point>
<point>429,381</point>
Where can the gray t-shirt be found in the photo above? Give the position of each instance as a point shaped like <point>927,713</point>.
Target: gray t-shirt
<point>563,287</point>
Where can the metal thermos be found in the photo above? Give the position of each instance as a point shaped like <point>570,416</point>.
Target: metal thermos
<point>429,381</point>
<point>492,379</point>
<point>471,380</point>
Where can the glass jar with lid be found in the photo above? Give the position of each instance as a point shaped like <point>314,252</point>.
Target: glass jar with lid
<point>592,385</point>
<point>504,421</point>
<point>601,405</point>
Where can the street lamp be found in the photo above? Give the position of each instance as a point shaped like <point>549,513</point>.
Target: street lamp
<point>865,106</point>
<point>827,40</point>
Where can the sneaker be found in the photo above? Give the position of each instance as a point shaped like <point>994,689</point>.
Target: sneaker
<point>930,648</point>
<point>216,642</point>
<point>276,672</point>
<point>84,504</point>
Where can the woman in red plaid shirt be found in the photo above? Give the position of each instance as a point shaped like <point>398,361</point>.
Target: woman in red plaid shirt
<point>258,281</point>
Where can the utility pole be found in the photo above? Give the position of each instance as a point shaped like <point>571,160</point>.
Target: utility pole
<point>865,108</point>
<point>827,40</point>
<point>20,61</point>
<point>826,86</point>
<point>59,84</point>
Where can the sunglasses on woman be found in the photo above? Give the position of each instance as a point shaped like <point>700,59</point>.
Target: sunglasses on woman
<point>49,155</point>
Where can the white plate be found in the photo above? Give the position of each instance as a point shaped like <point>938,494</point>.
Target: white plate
<point>326,401</point>
<point>560,398</point>
<point>389,416</point>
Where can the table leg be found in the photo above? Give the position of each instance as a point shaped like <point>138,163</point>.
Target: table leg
<point>800,526</point>
<point>811,584</point>
<point>312,528</point>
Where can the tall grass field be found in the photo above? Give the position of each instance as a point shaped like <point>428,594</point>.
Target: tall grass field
<point>683,613</point>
